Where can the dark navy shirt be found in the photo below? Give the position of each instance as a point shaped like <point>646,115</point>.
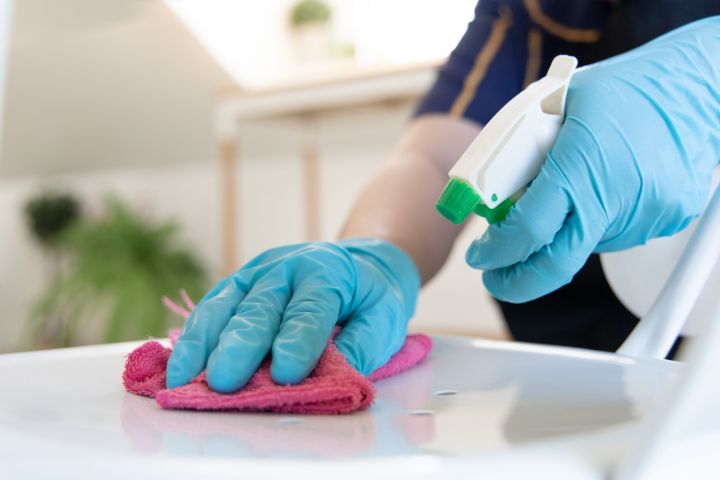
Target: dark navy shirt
<point>511,43</point>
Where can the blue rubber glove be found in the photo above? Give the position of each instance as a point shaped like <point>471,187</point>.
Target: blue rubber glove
<point>633,161</point>
<point>286,302</point>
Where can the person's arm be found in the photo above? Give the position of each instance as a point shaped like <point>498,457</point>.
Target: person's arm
<point>398,204</point>
<point>486,69</point>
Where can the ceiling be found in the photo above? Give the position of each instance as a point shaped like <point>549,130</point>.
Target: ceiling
<point>105,83</point>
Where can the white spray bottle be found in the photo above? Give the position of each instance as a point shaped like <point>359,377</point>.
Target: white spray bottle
<point>509,151</point>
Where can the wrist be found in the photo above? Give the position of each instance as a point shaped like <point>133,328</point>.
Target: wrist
<point>393,261</point>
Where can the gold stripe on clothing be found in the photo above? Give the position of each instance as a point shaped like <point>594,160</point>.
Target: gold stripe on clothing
<point>559,30</point>
<point>483,59</point>
<point>532,69</point>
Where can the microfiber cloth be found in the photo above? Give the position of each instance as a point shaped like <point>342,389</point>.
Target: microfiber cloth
<point>333,387</point>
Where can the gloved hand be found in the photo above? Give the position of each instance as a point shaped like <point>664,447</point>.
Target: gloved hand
<point>633,161</point>
<point>286,301</point>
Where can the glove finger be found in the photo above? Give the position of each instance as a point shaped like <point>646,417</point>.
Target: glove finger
<point>252,270</point>
<point>248,335</point>
<point>550,268</point>
<point>372,336</point>
<point>531,224</point>
<point>307,323</point>
<point>200,333</point>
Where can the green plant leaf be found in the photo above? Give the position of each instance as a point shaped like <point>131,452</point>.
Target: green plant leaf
<point>119,268</point>
<point>308,12</point>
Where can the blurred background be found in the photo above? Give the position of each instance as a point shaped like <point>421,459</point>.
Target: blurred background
<point>151,145</point>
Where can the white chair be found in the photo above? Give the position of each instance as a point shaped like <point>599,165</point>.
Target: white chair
<point>689,415</point>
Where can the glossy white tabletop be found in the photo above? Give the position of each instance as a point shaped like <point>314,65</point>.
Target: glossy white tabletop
<point>64,414</point>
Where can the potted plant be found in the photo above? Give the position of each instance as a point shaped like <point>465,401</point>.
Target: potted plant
<point>48,214</point>
<point>310,25</point>
<point>117,269</point>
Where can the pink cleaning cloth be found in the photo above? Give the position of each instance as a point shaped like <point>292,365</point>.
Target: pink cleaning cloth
<point>332,387</point>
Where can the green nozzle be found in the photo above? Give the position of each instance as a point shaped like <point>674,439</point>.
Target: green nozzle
<point>494,215</point>
<point>459,199</point>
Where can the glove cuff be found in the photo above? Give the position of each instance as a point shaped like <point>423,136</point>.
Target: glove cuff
<point>393,260</point>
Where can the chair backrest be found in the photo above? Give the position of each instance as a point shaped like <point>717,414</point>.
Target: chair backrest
<point>689,413</point>
<point>658,329</point>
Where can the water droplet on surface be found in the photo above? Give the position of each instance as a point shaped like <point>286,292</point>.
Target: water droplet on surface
<point>445,393</point>
<point>422,413</point>
<point>290,420</point>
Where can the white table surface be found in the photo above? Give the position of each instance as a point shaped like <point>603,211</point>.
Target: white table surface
<point>64,414</point>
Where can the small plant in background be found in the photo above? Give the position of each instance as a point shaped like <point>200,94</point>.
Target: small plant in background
<point>117,269</point>
<point>309,12</point>
<point>310,29</point>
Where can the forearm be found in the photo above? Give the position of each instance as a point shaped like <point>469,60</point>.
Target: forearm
<point>398,205</point>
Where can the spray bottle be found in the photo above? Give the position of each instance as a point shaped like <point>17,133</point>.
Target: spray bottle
<point>509,151</point>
